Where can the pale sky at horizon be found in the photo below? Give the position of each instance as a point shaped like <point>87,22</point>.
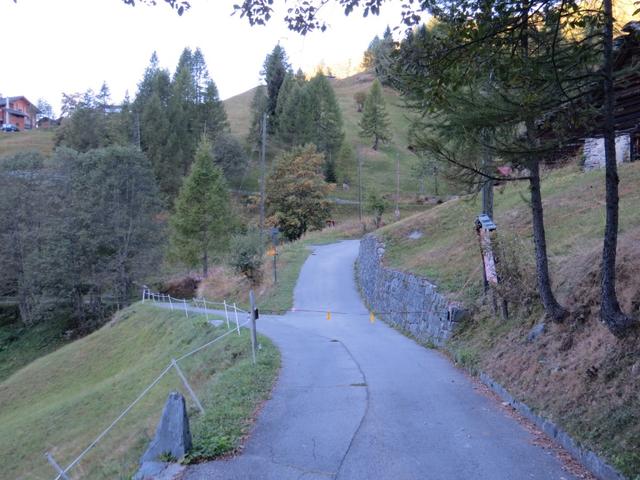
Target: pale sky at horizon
<point>50,47</point>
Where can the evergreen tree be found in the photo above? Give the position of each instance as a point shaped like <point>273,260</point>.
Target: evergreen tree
<point>200,225</point>
<point>378,56</point>
<point>275,67</point>
<point>258,107</point>
<point>103,98</point>
<point>296,125</point>
<point>493,75</point>
<point>230,156</point>
<point>182,114</point>
<point>200,75</point>
<point>375,120</point>
<point>284,94</point>
<point>212,115</point>
<point>327,118</point>
<point>155,129</point>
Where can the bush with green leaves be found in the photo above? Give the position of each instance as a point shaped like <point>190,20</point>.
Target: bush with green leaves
<point>247,252</point>
<point>376,205</point>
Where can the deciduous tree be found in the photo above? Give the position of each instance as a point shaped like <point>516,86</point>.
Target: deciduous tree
<point>297,192</point>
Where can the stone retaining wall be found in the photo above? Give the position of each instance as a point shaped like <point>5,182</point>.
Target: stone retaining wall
<point>416,305</point>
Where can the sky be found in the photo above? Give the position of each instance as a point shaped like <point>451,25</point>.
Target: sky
<point>50,47</point>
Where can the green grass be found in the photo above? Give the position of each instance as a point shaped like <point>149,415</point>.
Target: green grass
<point>574,215</point>
<point>62,401</point>
<point>38,140</point>
<point>20,345</point>
<point>550,374</point>
<point>378,167</point>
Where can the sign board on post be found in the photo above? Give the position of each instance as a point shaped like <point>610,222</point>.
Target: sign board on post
<point>484,227</point>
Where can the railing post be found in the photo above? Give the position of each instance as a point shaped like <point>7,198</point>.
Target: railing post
<point>187,386</point>
<point>254,314</point>
<point>226,313</point>
<point>54,464</point>
<point>144,294</point>
<point>235,309</point>
<point>170,302</point>
<point>186,312</point>
<point>206,312</point>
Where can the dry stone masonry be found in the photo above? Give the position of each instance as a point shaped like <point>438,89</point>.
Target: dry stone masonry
<point>414,303</point>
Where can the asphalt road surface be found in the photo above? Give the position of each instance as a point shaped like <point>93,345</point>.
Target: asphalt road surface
<point>358,400</point>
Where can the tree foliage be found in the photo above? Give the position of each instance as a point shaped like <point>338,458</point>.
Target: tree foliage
<point>173,112</point>
<point>504,82</point>
<point>310,114</point>
<point>89,122</point>
<point>297,192</point>
<point>379,56</point>
<point>230,156</point>
<point>200,225</point>
<point>247,254</point>
<point>377,205</point>
<point>275,68</point>
<point>375,123</point>
<point>76,235</point>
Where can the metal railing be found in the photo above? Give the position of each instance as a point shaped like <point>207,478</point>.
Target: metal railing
<point>195,305</point>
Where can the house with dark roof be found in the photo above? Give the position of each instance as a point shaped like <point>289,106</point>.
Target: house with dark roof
<point>18,111</point>
<point>626,105</point>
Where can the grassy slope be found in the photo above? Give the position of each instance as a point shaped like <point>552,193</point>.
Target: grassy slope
<point>61,402</point>
<point>378,167</point>
<point>20,345</point>
<point>38,140</point>
<point>550,374</point>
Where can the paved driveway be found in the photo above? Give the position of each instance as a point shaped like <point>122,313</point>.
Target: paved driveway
<point>357,400</point>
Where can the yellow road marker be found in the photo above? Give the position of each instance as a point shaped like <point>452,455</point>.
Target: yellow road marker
<point>372,318</point>
<point>328,315</point>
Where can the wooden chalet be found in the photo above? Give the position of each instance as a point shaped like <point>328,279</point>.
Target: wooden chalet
<point>18,111</point>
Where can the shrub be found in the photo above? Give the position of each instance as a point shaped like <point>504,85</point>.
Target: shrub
<point>247,254</point>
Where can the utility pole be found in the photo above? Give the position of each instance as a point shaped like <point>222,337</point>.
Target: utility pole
<point>397,212</point>
<point>263,153</point>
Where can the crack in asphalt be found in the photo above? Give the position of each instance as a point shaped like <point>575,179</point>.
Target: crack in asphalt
<point>364,415</point>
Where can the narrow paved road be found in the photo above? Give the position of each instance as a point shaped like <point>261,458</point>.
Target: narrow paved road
<point>357,400</point>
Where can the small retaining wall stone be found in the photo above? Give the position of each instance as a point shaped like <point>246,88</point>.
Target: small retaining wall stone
<point>418,307</point>
<point>587,458</point>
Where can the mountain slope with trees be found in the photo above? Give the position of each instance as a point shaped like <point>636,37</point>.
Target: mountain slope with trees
<point>378,167</point>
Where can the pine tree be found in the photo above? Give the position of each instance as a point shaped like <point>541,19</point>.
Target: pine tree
<point>276,66</point>
<point>212,115</point>
<point>284,94</point>
<point>375,119</point>
<point>258,107</point>
<point>200,225</point>
<point>154,130</point>
<point>296,125</point>
<point>327,118</point>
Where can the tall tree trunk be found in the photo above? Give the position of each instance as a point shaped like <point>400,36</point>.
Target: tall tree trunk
<point>610,313</point>
<point>553,309</point>
<point>205,264</point>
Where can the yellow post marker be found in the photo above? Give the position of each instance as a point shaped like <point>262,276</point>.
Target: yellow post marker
<point>328,315</point>
<point>372,318</point>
